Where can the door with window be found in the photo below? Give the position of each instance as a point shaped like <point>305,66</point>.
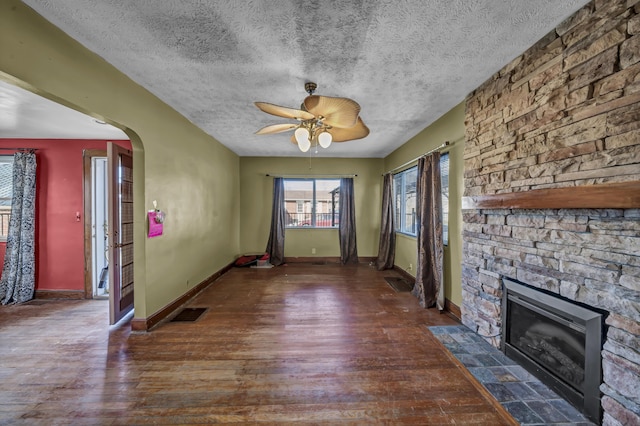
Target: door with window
<point>120,231</point>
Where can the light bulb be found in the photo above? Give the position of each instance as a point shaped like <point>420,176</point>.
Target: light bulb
<point>324,139</point>
<point>305,145</point>
<point>302,137</point>
<point>301,134</point>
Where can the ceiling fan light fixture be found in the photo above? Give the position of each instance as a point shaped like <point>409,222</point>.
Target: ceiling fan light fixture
<point>304,147</point>
<point>302,137</point>
<point>324,139</point>
<point>322,120</point>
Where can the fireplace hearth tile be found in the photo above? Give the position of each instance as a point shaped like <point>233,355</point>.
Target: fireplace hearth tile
<point>567,409</point>
<point>522,391</point>
<point>503,374</point>
<point>547,412</point>
<point>456,348</point>
<point>474,348</point>
<point>500,392</point>
<point>522,413</point>
<point>483,374</point>
<point>522,374</point>
<point>541,388</point>
<point>478,360</point>
<point>528,400</point>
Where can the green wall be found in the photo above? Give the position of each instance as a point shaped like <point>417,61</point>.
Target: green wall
<point>194,179</point>
<point>450,127</point>
<point>218,205</point>
<point>256,194</point>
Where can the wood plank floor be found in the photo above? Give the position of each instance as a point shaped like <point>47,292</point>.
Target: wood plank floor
<point>301,344</point>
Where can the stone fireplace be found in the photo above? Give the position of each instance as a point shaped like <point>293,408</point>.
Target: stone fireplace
<point>552,187</point>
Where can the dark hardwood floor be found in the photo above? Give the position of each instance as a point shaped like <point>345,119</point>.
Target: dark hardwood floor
<point>294,344</point>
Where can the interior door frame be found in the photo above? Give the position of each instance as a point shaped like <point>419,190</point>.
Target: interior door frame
<point>87,156</point>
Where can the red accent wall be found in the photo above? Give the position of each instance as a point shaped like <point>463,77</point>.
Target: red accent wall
<point>59,192</point>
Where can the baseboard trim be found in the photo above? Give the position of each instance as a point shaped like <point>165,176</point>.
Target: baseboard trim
<point>453,309</point>
<point>146,324</point>
<point>449,306</point>
<point>59,294</point>
<point>325,259</point>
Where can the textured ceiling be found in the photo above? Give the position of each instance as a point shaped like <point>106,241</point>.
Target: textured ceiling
<point>406,62</point>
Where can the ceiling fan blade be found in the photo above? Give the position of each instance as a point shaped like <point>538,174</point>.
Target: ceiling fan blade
<point>276,128</point>
<point>285,112</point>
<point>337,112</point>
<point>359,131</point>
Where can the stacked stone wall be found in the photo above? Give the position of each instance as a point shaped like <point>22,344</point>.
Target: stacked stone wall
<point>565,113</point>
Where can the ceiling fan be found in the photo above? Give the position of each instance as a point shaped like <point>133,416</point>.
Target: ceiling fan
<point>322,120</point>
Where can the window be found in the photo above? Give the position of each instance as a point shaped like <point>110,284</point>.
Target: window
<point>6,193</point>
<point>444,175</point>
<point>311,202</point>
<point>405,199</point>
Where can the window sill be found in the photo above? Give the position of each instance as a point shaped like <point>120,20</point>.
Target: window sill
<point>406,234</point>
<point>311,227</point>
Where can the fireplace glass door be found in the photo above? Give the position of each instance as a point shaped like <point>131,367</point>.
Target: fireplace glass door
<point>556,340</point>
<point>549,341</point>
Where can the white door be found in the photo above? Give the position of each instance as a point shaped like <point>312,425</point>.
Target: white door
<point>99,226</point>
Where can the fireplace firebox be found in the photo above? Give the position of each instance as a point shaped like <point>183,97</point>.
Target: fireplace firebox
<point>557,341</point>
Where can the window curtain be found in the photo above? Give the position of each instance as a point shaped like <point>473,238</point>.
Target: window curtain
<point>18,273</point>
<point>275,246</point>
<point>387,245</point>
<point>429,286</point>
<point>347,226</point>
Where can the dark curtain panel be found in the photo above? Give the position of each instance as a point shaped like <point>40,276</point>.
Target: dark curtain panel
<point>18,273</point>
<point>275,246</point>
<point>428,287</point>
<point>387,245</point>
<point>347,226</point>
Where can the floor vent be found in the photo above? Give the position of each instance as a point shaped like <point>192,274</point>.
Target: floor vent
<point>189,314</point>
<point>399,284</point>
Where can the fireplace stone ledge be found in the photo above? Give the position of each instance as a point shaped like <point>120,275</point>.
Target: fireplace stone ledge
<point>525,397</point>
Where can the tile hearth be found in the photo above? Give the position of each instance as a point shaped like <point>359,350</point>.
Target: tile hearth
<point>527,399</point>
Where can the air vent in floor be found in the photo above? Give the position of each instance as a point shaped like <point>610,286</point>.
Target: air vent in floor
<point>189,314</point>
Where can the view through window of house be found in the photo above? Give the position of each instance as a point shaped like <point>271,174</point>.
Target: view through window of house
<point>6,193</point>
<point>405,199</point>
<point>312,202</point>
<point>444,176</point>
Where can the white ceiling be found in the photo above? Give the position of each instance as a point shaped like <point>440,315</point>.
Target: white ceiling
<point>25,115</point>
<point>406,62</point>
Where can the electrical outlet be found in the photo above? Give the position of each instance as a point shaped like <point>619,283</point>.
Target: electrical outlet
<point>410,267</point>
<point>313,250</point>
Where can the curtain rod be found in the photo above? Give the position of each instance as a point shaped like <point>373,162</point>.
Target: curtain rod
<point>309,176</point>
<point>437,148</point>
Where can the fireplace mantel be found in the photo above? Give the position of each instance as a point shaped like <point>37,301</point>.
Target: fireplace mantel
<point>619,195</point>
